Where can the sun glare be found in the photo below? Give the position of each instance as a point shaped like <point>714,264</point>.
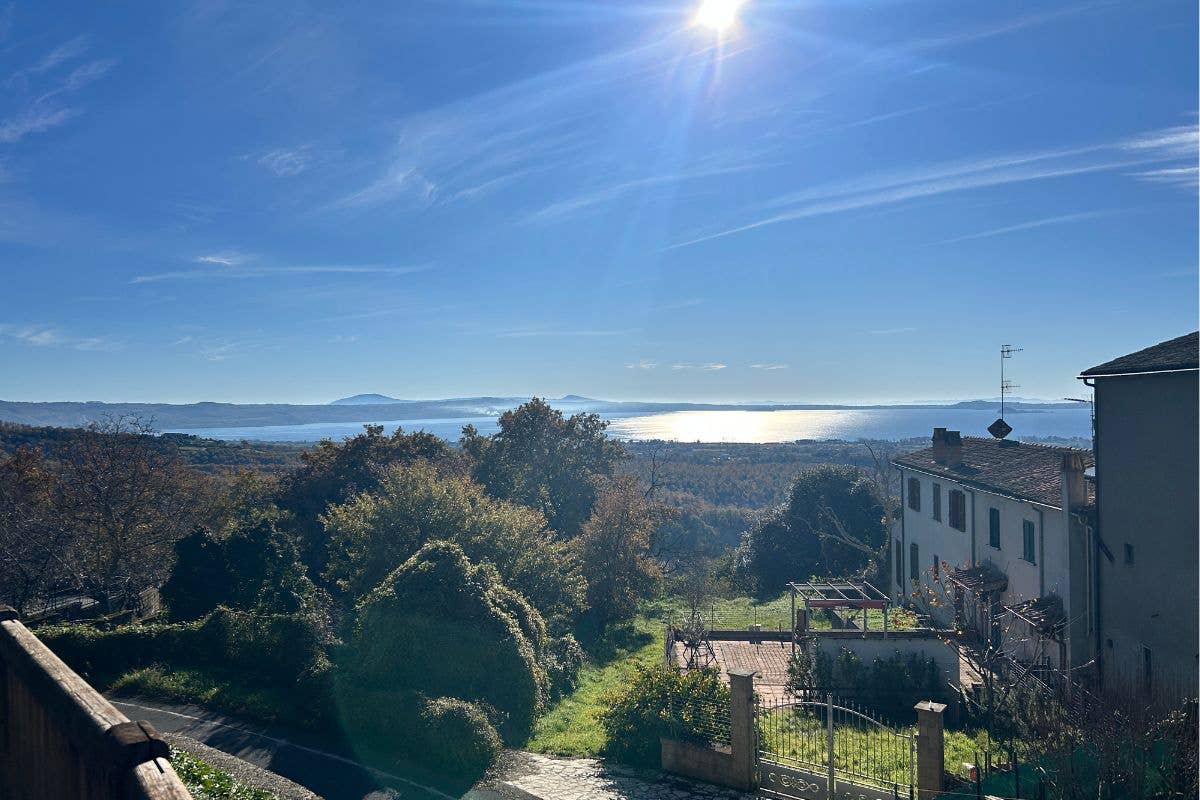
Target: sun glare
<point>718,15</point>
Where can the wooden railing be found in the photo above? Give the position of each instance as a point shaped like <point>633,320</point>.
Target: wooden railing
<point>59,738</point>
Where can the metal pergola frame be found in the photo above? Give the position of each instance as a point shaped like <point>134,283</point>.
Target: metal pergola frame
<point>837,594</point>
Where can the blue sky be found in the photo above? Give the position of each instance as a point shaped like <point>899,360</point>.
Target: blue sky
<point>831,201</point>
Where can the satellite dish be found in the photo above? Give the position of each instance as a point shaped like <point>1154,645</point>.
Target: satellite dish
<point>999,429</point>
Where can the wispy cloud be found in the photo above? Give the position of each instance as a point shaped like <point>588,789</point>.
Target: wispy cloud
<point>548,122</point>
<point>610,193</point>
<point>1182,177</point>
<point>769,367</point>
<point>67,51</point>
<point>947,177</point>
<point>52,336</point>
<point>33,120</point>
<point>230,258</point>
<point>38,114</point>
<point>712,366</point>
<point>6,20</point>
<point>285,163</point>
<point>642,364</point>
<point>238,267</point>
<point>1062,219</point>
<point>529,333</point>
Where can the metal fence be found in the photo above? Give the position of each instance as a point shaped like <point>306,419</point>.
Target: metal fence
<point>839,740</point>
<point>700,721</point>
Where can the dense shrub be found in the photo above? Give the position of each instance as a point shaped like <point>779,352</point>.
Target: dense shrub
<point>441,626</point>
<point>253,568</point>
<point>663,702</point>
<point>269,649</point>
<point>454,736</point>
<point>562,659</point>
<point>374,532</point>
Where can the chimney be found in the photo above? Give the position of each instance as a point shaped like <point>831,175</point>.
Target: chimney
<point>947,447</point>
<point>1074,487</point>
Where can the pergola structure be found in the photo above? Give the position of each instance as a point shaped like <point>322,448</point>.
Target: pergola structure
<point>837,595</point>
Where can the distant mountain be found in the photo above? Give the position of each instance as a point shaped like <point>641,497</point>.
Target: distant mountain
<point>366,400</point>
<point>380,408</point>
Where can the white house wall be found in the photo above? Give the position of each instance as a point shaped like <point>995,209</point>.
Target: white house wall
<point>954,547</point>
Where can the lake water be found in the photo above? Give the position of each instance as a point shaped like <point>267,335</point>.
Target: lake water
<point>727,426</point>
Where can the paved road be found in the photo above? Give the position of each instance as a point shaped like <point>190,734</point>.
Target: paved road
<point>319,767</point>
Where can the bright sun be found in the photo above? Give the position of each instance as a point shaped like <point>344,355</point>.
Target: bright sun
<point>719,15</point>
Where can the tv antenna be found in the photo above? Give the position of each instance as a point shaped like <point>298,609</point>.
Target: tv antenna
<point>999,429</point>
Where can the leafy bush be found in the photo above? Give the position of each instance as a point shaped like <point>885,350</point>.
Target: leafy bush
<point>451,735</point>
<point>562,659</point>
<point>374,532</point>
<point>253,569</point>
<point>268,649</point>
<point>663,702</point>
<point>441,626</point>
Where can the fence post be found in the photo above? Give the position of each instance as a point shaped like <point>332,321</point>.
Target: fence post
<point>743,738</point>
<point>930,753</point>
<point>829,740</point>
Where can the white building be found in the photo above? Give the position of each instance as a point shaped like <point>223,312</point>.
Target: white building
<point>994,537</point>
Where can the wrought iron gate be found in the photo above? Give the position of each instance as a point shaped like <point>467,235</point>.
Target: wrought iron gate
<point>818,749</point>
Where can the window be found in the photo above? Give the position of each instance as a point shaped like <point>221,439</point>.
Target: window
<point>1128,553</point>
<point>958,510</point>
<point>899,564</point>
<point>1027,531</point>
<point>994,527</point>
<point>914,562</point>
<point>937,502</point>
<point>937,575</point>
<point>914,494</point>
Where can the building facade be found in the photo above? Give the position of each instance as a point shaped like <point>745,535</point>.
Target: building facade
<point>994,538</point>
<point>1146,515</point>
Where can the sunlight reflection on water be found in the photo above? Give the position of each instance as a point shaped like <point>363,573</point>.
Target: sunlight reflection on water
<point>848,424</point>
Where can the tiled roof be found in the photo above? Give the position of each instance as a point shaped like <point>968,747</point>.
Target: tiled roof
<point>1017,469</point>
<point>1179,353</point>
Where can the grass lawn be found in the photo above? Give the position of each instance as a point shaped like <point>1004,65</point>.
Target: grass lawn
<point>572,726</point>
<point>773,613</point>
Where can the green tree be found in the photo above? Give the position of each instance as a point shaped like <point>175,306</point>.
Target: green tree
<point>545,461</point>
<point>334,472</point>
<point>375,532</point>
<point>252,569</point>
<point>832,524</point>
<point>614,546</point>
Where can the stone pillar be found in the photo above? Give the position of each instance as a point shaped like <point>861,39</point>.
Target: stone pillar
<point>743,736</point>
<point>930,752</point>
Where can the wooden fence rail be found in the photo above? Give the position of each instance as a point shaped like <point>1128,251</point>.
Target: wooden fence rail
<point>59,738</point>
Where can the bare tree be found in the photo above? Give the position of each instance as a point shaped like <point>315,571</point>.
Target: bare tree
<point>32,540</point>
<point>128,498</point>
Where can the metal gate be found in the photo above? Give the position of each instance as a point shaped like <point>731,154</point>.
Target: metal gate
<point>818,749</point>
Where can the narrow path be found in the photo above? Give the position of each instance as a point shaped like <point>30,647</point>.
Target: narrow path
<point>317,766</point>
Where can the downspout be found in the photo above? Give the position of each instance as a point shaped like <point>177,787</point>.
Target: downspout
<point>903,537</point>
<point>1096,532</point>
<point>1041,553</point>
